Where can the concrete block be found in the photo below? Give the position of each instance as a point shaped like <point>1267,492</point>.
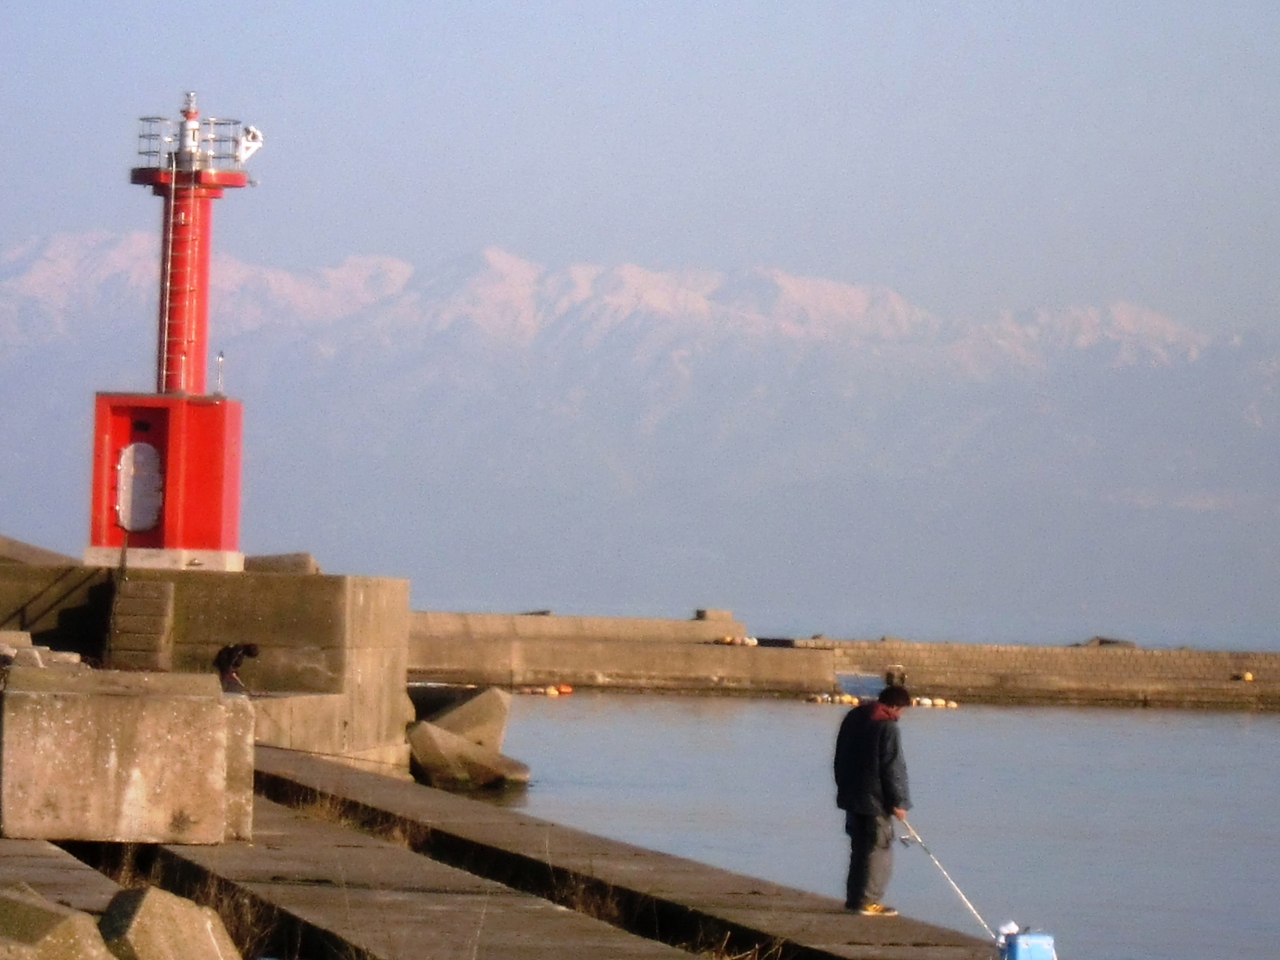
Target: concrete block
<point>28,657</point>
<point>377,612</point>
<point>139,635</point>
<point>317,669</point>
<point>100,755</point>
<point>301,721</point>
<point>294,563</point>
<point>156,623</point>
<point>153,924</point>
<point>158,607</point>
<point>39,929</point>
<point>134,589</point>
<point>239,790</point>
<point>451,762</point>
<point>481,719</point>
<point>148,660</point>
<point>374,681</point>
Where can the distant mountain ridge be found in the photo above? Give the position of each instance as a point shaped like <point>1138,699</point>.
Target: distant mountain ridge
<point>46,285</point>
<point>814,454</point>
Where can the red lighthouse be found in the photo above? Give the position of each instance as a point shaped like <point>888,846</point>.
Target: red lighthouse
<point>166,466</point>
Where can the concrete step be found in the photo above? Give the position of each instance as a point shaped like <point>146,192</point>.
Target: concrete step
<point>55,874</point>
<point>334,892</point>
<point>698,907</point>
<point>142,626</point>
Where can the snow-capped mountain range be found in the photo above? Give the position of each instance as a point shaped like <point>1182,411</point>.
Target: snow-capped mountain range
<point>612,437</point>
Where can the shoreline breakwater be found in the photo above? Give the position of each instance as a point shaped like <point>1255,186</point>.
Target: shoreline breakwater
<point>703,655</point>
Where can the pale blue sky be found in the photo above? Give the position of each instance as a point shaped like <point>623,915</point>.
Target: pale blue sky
<point>974,156</point>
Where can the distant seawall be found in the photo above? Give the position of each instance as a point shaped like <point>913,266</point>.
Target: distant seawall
<point>1098,675</point>
<point>637,653</point>
<point>630,653</point>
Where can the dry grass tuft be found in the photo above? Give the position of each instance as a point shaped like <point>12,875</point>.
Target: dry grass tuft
<point>722,951</point>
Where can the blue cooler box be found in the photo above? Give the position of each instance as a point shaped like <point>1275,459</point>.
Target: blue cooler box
<point>1028,946</point>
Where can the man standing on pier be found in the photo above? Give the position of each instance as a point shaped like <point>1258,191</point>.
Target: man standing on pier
<point>871,788</point>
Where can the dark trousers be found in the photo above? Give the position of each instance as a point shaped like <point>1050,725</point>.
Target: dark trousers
<point>870,858</point>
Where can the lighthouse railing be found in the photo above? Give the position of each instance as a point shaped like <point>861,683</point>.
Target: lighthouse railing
<point>221,142</point>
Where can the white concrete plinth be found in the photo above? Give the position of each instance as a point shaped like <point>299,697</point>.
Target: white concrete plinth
<point>222,561</point>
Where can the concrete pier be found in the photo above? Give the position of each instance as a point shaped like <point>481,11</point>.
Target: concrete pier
<point>432,874</point>
<point>331,891</point>
<point>659,898</point>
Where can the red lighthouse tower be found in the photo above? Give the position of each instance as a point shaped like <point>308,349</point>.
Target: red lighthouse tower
<point>166,466</point>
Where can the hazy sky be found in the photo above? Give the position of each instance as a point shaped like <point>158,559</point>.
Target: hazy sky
<point>974,156</point>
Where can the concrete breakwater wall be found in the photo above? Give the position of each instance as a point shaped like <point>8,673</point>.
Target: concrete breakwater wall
<point>617,652</point>
<point>1107,674</point>
<point>682,655</point>
<point>333,649</point>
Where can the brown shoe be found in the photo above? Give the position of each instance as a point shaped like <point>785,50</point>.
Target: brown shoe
<point>877,910</point>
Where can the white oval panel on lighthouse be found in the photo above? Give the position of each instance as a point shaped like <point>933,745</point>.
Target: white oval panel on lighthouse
<point>139,487</point>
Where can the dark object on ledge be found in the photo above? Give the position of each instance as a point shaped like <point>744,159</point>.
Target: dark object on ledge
<point>1107,642</point>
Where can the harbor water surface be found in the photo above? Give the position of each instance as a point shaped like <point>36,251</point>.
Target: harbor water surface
<point>1128,834</point>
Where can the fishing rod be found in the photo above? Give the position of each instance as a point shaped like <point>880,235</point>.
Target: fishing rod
<point>916,837</point>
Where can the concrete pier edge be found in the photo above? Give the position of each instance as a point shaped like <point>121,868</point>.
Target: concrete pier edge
<point>737,916</point>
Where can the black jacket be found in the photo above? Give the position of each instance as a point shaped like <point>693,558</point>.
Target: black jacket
<point>871,773</point>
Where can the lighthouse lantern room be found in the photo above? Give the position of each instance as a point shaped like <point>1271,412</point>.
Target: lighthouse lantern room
<point>166,466</point>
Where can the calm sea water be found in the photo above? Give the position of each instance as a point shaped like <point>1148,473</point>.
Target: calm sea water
<point>1128,834</point>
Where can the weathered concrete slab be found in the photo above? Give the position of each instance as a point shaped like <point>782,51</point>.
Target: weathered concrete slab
<point>239,783</point>
<point>153,924</point>
<point>454,763</point>
<point>28,657</point>
<point>106,756</point>
<point>499,842</point>
<point>290,563</point>
<point>381,898</point>
<point>36,928</point>
<point>55,874</point>
<point>345,727</point>
<point>482,719</point>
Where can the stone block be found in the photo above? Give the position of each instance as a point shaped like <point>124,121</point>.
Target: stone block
<point>482,719</point>
<point>15,638</point>
<point>148,660</point>
<point>239,790</point>
<point>102,755</point>
<point>39,929</point>
<point>292,668</point>
<point>61,658</point>
<point>153,924</point>
<point>451,762</point>
<point>139,635</point>
<point>294,563</point>
<point>135,589</point>
<point>157,624</point>
<point>302,721</point>
<point>28,657</point>
<point>374,682</point>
